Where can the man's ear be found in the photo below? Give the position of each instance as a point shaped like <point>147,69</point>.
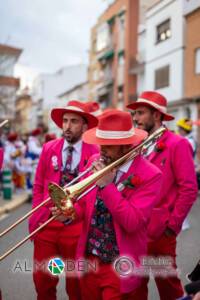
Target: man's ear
<point>85,127</point>
<point>157,115</point>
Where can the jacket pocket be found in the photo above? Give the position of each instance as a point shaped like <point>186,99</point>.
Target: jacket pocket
<point>158,223</point>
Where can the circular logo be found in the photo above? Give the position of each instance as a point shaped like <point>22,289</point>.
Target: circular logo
<point>56,266</point>
<point>124,266</point>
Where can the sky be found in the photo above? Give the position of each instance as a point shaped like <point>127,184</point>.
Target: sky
<point>52,33</point>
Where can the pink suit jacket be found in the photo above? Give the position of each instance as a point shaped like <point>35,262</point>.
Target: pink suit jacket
<point>179,188</point>
<point>46,173</point>
<point>1,157</point>
<point>131,209</point>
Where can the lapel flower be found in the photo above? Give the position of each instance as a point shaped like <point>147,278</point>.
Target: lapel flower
<point>132,181</point>
<point>54,161</point>
<point>160,146</point>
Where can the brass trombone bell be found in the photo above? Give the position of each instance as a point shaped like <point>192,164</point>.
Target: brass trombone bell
<point>61,198</point>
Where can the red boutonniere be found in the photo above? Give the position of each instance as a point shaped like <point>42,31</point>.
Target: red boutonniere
<point>132,181</point>
<point>160,146</point>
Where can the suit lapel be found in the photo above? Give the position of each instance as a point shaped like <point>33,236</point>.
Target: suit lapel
<point>84,157</point>
<point>132,170</point>
<point>57,151</point>
<point>154,153</point>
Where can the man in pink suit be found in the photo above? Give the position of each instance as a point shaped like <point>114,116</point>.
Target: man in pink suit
<point>61,160</point>
<point>116,213</point>
<point>173,155</point>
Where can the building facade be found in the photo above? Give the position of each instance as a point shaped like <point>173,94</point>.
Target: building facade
<point>8,83</point>
<point>112,52</point>
<point>78,92</point>
<point>47,88</point>
<point>23,107</point>
<point>191,10</point>
<point>162,63</point>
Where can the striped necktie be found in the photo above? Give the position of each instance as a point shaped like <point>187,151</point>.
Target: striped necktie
<point>68,163</point>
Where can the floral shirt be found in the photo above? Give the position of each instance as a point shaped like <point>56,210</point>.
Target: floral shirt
<point>101,238</point>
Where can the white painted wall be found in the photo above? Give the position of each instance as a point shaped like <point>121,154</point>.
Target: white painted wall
<point>49,86</point>
<point>166,9</point>
<point>78,93</point>
<point>167,52</point>
<point>141,57</point>
<point>189,6</point>
<point>175,89</point>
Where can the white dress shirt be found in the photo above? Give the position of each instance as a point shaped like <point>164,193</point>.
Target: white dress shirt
<point>123,169</point>
<point>76,154</point>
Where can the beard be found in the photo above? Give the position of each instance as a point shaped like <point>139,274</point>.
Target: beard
<point>70,137</point>
<point>147,127</point>
<point>107,160</point>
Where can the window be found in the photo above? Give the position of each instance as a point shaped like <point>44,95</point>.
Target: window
<point>197,61</point>
<point>163,31</point>
<point>162,77</point>
<point>102,37</point>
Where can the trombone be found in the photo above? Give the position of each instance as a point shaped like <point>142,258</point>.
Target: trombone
<point>80,189</point>
<point>42,204</point>
<point>3,123</point>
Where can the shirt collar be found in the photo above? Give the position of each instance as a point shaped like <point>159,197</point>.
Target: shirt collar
<point>124,168</point>
<point>77,146</point>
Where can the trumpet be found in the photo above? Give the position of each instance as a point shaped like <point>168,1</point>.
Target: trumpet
<point>74,192</point>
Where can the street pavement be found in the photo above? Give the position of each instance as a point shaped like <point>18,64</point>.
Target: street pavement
<point>15,271</point>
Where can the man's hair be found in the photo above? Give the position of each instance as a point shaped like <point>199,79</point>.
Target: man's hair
<point>152,109</point>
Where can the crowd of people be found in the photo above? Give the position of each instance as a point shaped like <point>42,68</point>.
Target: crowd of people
<point>20,156</point>
<point>135,211</point>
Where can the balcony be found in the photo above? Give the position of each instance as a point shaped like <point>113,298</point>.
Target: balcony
<point>104,86</point>
<point>106,54</point>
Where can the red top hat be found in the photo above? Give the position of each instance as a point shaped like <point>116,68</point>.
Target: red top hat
<point>73,107</point>
<point>36,132</point>
<point>155,100</point>
<point>115,128</point>
<point>12,136</point>
<point>94,108</point>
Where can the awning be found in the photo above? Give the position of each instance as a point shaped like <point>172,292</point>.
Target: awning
<point>107,55</point>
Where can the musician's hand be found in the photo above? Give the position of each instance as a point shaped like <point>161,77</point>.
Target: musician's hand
<point>106,179</point>
<point>98,165</point>
<point>63,215</point>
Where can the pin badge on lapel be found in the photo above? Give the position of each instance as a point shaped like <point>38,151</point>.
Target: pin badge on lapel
<point>54,161</point>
